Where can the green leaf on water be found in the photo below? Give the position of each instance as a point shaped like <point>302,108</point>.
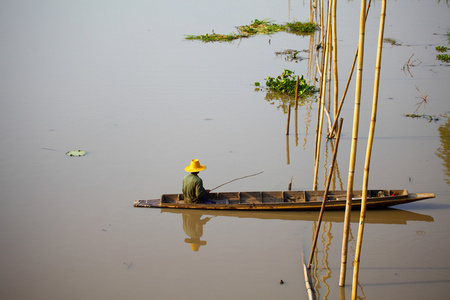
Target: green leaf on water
<point>76,153</point>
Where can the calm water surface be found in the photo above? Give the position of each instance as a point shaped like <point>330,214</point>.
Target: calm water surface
<point>117,79</point>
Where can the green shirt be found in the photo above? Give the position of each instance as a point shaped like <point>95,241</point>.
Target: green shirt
<point>193,188</point>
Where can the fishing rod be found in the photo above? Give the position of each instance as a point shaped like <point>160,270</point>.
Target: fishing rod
<point>235,180</point>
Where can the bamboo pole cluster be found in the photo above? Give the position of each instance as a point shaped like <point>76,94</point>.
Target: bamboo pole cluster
<point>328,57</point>
<point>328,64</point>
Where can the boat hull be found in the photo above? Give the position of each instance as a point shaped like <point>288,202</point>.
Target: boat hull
<point>287,200</point>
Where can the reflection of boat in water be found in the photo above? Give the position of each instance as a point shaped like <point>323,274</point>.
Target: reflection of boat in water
<point>286,200</point>
<point>385,216</point>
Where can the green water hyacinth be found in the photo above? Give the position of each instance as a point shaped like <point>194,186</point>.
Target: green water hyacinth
<point>286,84</point>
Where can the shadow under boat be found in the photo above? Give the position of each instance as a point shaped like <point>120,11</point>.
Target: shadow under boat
<point>384,216</point>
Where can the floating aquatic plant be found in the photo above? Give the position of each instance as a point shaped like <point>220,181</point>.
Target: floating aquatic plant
<point>264,26</point>
<point>286,83</point>
<point>260,27</point>
<point>301,28</point>
<point>441,49</point>
<point>76,153</point>
<point>443,57</point>
<point>214,37</point>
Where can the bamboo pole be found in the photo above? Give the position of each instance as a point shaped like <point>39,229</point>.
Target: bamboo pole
<point>296,110</point>
<point>348,80</point>
<point>369,152</point>
<point>335,69</point>
<point>296,94</point>
<point>322,106</point>
<point>296,128</point>
<point>333,160</point>
<point>351,168</point>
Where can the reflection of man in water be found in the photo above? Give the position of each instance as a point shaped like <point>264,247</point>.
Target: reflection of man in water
<point>193,227</point>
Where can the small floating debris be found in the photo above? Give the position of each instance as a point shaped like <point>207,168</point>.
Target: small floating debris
<point>76,153</point>
<point>423,116</point>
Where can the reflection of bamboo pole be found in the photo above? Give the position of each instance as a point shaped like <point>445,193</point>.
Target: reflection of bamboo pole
<point>369,152</point>
<point>307,122</point>
<point>351,168</point>
<point>288,119</point>
<point>325,194</point>
<point>287,150</point>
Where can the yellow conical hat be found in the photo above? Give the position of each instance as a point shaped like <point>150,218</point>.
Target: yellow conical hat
<point>195,166</point>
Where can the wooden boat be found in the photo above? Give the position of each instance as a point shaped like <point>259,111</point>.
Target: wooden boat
<point>286,200</point>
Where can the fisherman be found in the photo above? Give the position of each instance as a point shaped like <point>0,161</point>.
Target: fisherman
<point>193,189</point>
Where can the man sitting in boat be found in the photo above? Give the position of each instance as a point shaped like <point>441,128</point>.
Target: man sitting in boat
<point>193,189</point>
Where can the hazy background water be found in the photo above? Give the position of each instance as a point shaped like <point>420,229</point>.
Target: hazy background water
<point>117,79</point>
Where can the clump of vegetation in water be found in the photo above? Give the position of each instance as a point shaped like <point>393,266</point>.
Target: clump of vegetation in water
<point>392,41</point>
<point>301,28</point>
<point>441,49</point>
<point>214,37</point>
<point>286,84</point>
<point>264,26</point>
<point>443,57</point>
<point>260,27</point>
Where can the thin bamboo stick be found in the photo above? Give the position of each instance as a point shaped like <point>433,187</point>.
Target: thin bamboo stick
<point>333,160</point>
<point>296,94</point>
<point>369,152</point>
<point>351,168</point>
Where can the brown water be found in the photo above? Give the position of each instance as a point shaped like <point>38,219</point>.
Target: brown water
<point>117,79</point>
